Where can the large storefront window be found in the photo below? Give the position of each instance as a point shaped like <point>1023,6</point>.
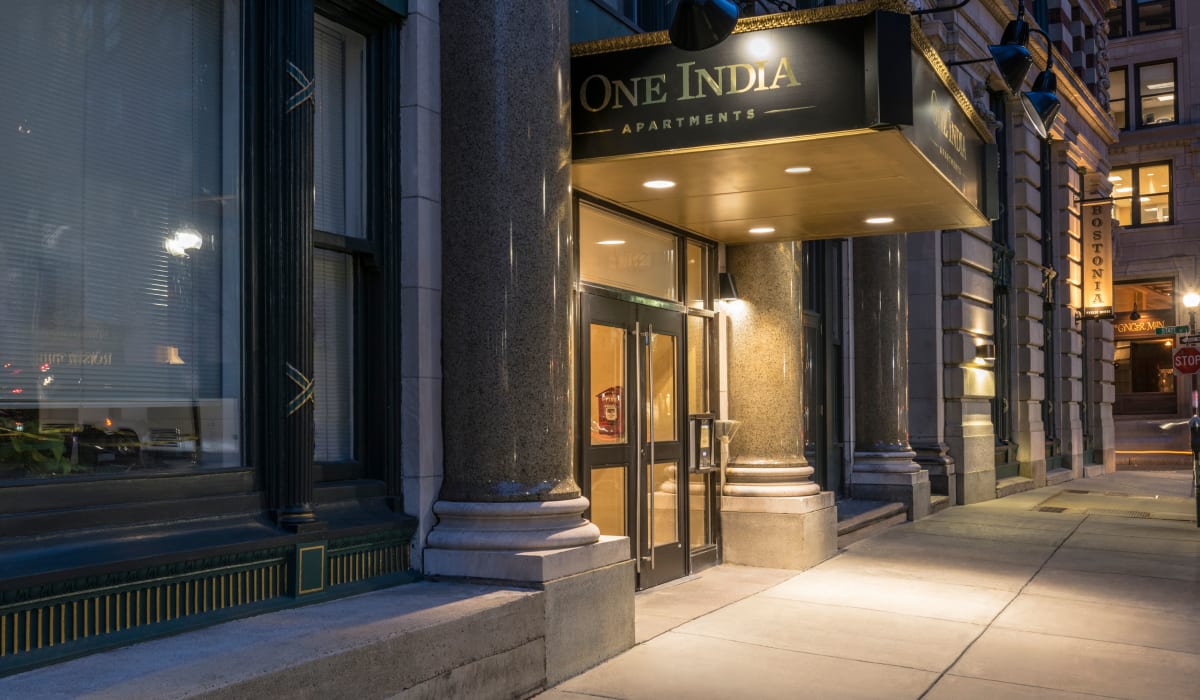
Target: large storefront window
<point>1145,376</point>
<point>118,237</point>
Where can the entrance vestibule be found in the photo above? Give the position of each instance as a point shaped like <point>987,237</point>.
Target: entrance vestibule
<point>645,370</point>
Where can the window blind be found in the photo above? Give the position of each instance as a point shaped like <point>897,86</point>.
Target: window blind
<point>112,144</point>
<point>333,370</point>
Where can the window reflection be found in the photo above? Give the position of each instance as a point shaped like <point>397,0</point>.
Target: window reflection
<point>118,237</point>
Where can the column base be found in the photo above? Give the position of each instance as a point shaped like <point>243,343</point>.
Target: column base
<point>910,488</point>
<point>769,478</point>
<point>934,458</point>
<point>512,525</point>
<point>891,476</point>
<point>587,595</point>
<point>779,533</point>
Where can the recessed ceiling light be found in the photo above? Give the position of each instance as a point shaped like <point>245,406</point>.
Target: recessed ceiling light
<point>797,169</point>
<point>880,220</point>
<point>762,229</point>
<point>610,242</point>
<point>1114,178</point>
<point>658,184</point>
<point>1123,190</point>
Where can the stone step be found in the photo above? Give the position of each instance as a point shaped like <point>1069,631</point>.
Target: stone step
<point>858,519</point>
<point>939,502</point>
<point>421,640</point>
<point>1013,484</point>
<point>1058,476</point>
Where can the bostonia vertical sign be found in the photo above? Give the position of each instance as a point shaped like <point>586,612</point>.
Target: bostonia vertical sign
<point>1097,260</point>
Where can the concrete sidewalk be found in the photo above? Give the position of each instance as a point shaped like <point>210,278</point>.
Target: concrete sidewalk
<point>1083,590</point>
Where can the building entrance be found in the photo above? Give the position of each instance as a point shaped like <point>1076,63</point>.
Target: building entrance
<point>633,434</point>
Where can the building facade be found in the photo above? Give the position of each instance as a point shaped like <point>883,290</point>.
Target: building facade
<point>1153,188</point>
<point>325,296</point>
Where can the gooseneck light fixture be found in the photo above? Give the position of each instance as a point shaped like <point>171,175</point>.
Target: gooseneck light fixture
<point>699,24</point>
<point>1012,53</point>
<point>1013,61</point>
<point>1041,103</point>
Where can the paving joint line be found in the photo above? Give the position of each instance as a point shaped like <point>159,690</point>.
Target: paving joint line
<point>995,617</point>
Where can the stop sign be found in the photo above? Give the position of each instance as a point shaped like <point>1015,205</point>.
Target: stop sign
<point>1187,360</point>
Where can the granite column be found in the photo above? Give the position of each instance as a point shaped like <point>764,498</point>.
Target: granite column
<point>773,514</point>
<point>884,462</point>
<point>510,508</point>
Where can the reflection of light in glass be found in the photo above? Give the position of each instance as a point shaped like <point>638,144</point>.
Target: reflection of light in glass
<point>48,380</point>
<point>1166,98</point>
<point>46,367</point>
<point>182,241</point>
<point>1144,199</point>
<point>108,422</point>
<point>1124,190</point>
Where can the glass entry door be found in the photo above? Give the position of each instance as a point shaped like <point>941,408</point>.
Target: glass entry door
<point>633,436</point>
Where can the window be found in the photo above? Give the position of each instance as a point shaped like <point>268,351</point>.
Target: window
<point>1144,375</point>
<point>1153,15</point>
<point>1156,93</point>
<point>1118,102</point>
<point>119,237</point>
<point>1147,16</point>
<point>1142,194</point>
<point>1116,20</point>
<point>339,233</point>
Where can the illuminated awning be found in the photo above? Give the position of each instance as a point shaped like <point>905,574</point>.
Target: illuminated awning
<point>858,101</point>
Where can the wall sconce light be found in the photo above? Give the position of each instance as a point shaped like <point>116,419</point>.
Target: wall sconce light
<point>985,353</point>
<point>727,290</point>
<point>699,24</point>
<point>1134,315</point>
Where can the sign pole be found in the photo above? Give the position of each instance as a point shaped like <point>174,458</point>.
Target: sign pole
<point>1194,428</point>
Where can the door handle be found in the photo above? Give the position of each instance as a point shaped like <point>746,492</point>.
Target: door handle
<point>650,422</point>
<point>637,453</point>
